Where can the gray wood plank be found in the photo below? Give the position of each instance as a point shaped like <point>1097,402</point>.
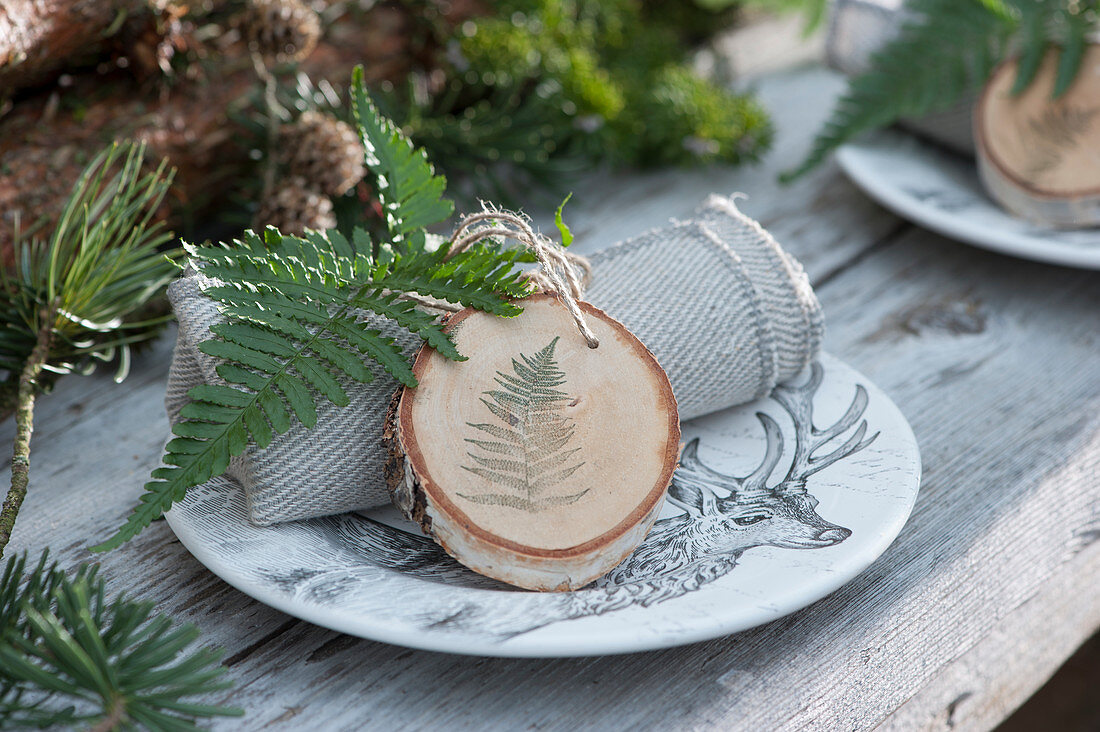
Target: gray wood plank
<point>994,361</point>
<point>982,687</point>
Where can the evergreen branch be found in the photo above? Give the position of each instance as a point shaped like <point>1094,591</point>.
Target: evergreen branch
<point>69,657</point>
<point>101,266</point>
<point>24,426</point>
<point>67,301</point>
<point>544,89</point>
<point>502,135</point>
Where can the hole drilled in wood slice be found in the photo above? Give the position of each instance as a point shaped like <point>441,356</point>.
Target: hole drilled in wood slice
<point>538,461</point>
<point>1039,157</point>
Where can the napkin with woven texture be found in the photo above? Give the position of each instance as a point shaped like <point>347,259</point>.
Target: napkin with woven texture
<point>725,310</point>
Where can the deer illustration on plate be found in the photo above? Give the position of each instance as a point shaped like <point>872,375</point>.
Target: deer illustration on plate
<point>724,515</point>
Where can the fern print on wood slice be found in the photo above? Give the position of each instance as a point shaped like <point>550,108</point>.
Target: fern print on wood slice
<point>538,461</point>
<point>1038,151</point>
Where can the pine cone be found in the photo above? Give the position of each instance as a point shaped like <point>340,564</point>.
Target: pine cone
<point>324,151</point>
<point>281,30</point>
<point>295,207</point>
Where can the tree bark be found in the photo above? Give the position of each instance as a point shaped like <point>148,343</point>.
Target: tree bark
<point>46,137</point>
<point>38,38</point>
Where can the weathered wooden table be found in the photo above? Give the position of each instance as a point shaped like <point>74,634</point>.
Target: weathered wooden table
<point>991,585</point>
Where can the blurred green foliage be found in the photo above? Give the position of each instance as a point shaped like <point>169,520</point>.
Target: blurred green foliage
<point>560,85</point>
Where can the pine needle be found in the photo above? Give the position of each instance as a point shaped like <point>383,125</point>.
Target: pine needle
<point>70,657</point>
<point>78,298</point>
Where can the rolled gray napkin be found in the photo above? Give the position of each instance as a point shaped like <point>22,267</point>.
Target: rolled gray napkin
<point>857,28</point>
<point>725,310</point>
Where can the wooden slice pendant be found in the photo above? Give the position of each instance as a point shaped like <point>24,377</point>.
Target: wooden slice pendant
<point>538,461</point>
<point>1039,157</point>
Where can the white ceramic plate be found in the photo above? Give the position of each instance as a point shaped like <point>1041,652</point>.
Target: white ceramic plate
<point>940,191</point>
<point>718,561</point>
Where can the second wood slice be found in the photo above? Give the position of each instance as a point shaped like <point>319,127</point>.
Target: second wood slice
<point>1038,156</point>
<point>538,461</point>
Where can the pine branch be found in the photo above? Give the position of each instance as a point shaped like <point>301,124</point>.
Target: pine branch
<point>505,136</point>
<point>69,657</point>
<point>946,49</point>
<point>66,303</point>
<point>545,89</point>
<point>101,265</point>
<point>24,426</point>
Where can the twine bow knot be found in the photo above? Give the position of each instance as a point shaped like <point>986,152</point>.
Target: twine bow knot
<point>558,268</point>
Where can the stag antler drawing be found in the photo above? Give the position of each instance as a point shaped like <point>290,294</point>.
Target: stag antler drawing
<point>799,403</point>
<point>724,515</point>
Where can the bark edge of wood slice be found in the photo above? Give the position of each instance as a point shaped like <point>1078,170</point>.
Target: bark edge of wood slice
<point>1039,157</point>
<point>613,445</point>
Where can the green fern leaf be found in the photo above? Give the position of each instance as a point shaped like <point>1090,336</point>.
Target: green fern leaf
<point>947,48</point>
<point>1033,49</point>
<point>1073,51</point>
<point>938,55</point>
<point>410,192</point>
<point>295,308</point>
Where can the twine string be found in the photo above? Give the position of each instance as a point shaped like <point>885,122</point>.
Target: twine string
<point>560,272</point>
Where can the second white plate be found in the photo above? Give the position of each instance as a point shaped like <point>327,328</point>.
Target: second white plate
<point>941,191</point>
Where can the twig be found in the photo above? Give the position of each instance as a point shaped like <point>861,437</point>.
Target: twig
<point>116,715</point>
<point>272,109</point>
<point>24,426</point>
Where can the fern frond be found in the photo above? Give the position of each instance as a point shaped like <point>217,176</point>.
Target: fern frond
<point>947,48</point>
<point>410,192</point>
<point>295,310</point>
<point>296,316</point>
<point>1079,21</point>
